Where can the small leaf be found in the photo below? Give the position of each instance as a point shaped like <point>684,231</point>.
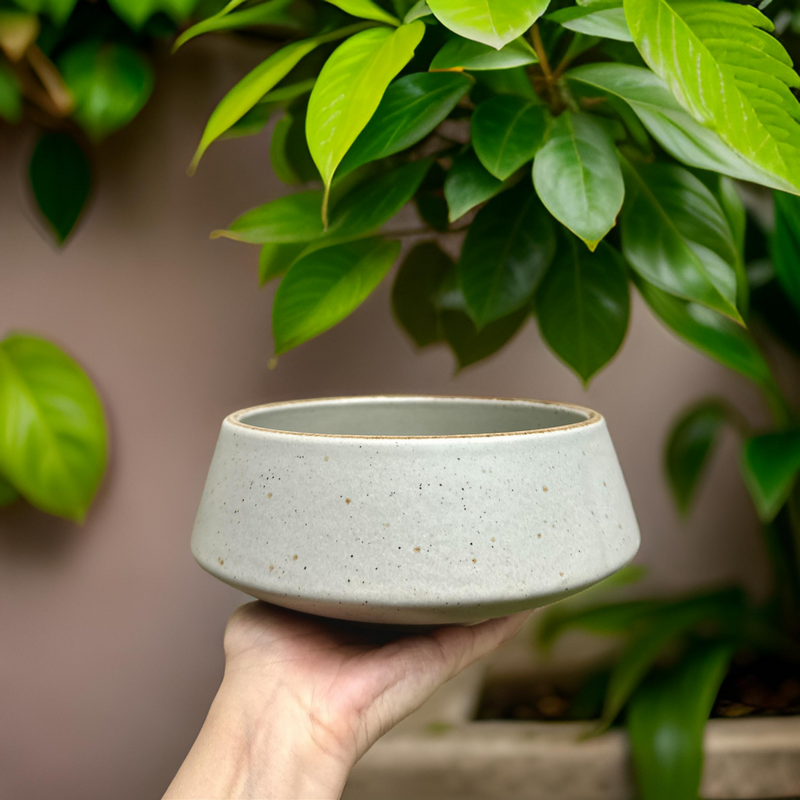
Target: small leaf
<point>471,345</point>
<point>109,82</point>
<point>606,20</point>
<point>666,720</point>
<point>583,306</point>
<point>411,109</point>
<point>8,494</point>
<point>60,177</point>
<point>53,437</point>
<point>416,290</point>
<point>577,175</point>
<point>676,236</point>
<point>135,13</point>
<point>57,10</point>
<point>365,9</point>
<point>430,200</point>
<point>770,464</point>
<point>294,218</point>
<point>492,22</point>
<point>275,258</point>
<point>324,287</point>
<point>288,150</point>
<point>417,11</point>
<point>785,245</point>
<point>349,90</point>
<point>468,184</point>
<point>689,446</point>
<point>513,81</point>
<point>464,54</point>
<point>507,250</point>
<point>506,133</point>
<point>10,96</point>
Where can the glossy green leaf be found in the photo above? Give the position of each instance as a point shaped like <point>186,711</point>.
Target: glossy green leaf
<point>689,445</point>
<point>60,177</point>
<point>252,123</point>
<point>288,149</point>
<point>10,96</point>
<point>419,10</point>
<point>110,84</point>
<point>710,333</point>
<point>275,258</point>
<point>725,69</point>
<point>491,22</point>
<point>8,494</point>
<point>468,184</point>
<point>252,88</point>
<point>770,464</point>
<point>53,435</point>
<point>583,306</point>
<point>785,245</point>
<point>507,250</point>
<point>666,720</point>
<point>606,20</point>
<point>430,200</point>
<point>676,236</point>
<point>324,287</point>
<point>410,109</point>
<point>349,90</point>
<point>459,53</point>
<point>577,175</point>
<point>415,293</point>
<point>469,344</point>
<point>294,218</point>
<point>730,202</point>
<point>506,133</point>
<point>57,10</point>
<point>365,9</point>
<point>514,81</point>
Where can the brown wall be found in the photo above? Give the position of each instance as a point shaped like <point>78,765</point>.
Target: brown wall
<point>109,633</point>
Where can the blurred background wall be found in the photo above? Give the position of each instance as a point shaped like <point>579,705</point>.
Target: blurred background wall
<point>110,635</point>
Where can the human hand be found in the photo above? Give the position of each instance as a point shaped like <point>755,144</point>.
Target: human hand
<point>304,698</point>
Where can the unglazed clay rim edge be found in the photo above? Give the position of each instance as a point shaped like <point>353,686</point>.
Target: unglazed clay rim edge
<point>592,417</point>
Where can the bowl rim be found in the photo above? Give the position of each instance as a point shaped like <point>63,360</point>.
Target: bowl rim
<point>592,417</point>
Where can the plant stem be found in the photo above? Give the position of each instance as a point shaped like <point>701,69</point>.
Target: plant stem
<point>541,55</point>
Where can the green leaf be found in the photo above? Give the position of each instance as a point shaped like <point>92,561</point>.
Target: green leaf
<point>57,10</point>
<point>666,720</point>
<point>430,200</point>
<point>577,175</point>
<point>507,250</point>
<point>785,245</point>
<point>8,494</point>
<point>288,149</point>
<point>349,90</point>
<point>676,236</point>
<point>325,286</point>
<point>252,88</point>
<point>710,333</point>
<point>506,133</point>
<point>673,128</point>
<point>514,81</point>
<point>468,184</point>
<point>469,344</point>
<point>732,76</point>
<point>583,306</point>
<point>53,436</point>
<point>110,84</point>
<point>606,20</point>
<point>417,11</point>
<point>10,96</point>
<point>276,257</point>
<point>492,22</point>
<point>459,53</point>
<point>365,9</point>
<point>770,464</point>
<point>61,178</point>
<point>689,445</point>
<point>135,13</point>
<point>415,294</point>
<point>410,109</point>
<point>294,218</point>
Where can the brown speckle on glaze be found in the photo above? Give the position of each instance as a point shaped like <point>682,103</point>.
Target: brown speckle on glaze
<point>385,524</point>
<point>269,495</point>
<point>561,574</point>
<point>492,538</point>
<point>221,561</point>
<point>271,568</point>
<point>538,535</point>
<point>294,557</point>
<point>545,489</point>
<point>326,458</point>
<point>474,560</point>
<point>347,500</point>
<point>416,549</point>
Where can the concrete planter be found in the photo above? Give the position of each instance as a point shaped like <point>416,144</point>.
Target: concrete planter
<point>440,752</point>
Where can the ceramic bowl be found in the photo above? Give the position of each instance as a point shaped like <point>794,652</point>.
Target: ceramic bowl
<point>414,510</point>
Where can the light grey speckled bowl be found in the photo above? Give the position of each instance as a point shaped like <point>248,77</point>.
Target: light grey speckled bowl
<point>414,510</point>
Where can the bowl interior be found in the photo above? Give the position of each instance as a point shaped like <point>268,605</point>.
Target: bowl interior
<point>413,416</point>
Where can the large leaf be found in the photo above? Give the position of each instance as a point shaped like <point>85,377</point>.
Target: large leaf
<point>583,306</point>
<point>61,178</point>
<point>492,22</point>
<point>365,9</point>
<point>578,177</point>
<point>469,344</point>
<point>666,719</point>
<point>252,88</point>
<point>507,250</point>
<point>52,431</point>
<point>729,74</point>
<point>468,184</point>
<point>349,90</point>
<point>689,446</point>
<point>506,133</point>
<point>324,287</point>
<point>677,237</point>
<point>58,10</point>
<point>770,464</point>
<point>10,96</point>
<point>276,257</point>
<point>294,218</point>
<point>460,54</point>
<point>110,84</point>
<point>411,108</point>
<point>785,246</point>
<point>603,19</point>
